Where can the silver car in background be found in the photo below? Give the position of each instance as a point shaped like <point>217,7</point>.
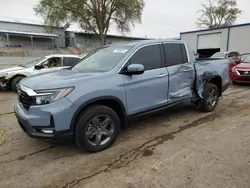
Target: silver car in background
<point>11,76</point>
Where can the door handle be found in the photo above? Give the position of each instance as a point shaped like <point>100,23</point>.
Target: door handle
<point>162,75</point>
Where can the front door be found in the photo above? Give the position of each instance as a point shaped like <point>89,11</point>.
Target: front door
<point>181,72</point>
<point>148,90</point>
<point>49,65</point>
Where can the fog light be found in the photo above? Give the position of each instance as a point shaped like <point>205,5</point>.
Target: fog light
<point>47,131</point>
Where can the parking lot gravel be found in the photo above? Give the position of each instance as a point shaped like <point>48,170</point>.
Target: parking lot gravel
<point>180,147</point>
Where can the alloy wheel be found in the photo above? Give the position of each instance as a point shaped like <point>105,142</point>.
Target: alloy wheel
<point>99,130</point>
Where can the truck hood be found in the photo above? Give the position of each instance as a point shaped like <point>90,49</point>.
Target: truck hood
<point>9,70</point>
<point>243,66</point>
<point>55,79</point>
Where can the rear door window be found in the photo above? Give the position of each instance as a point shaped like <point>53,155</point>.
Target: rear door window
<point>175,53</point>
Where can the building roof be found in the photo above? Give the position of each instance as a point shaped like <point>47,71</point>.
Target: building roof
<point>113,36</point>
<point>202,30</point>
<point>26,23</point>
<point>22,33</point>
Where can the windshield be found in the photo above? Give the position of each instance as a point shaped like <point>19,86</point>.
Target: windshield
<point>102,59</point>
<point>218,54</point>
<point>244,56</point>
<point>32,63</point>
<point>247,59</point>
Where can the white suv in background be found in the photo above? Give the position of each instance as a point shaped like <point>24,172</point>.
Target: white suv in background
<point>11,76</point>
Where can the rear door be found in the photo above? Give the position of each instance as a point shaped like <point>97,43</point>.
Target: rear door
<point>148,90</point>
<point>181,71</point>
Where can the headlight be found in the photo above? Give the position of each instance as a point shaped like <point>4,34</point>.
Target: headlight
<point>50,96</point>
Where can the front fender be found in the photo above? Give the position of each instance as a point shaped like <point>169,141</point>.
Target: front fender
<point>85,101</point>
<point>15,74</point>
<point>88,98</point>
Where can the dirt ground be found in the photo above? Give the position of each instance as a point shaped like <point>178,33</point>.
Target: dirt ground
<point>180,147</point>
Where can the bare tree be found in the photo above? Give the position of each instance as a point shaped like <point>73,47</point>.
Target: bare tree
<point>92,15</point>
<point>218,13</point>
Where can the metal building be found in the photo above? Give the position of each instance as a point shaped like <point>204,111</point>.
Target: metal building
<point>88,41</point>
<point>209,41</point>
<point>27,35</point>
<point>35,36</point>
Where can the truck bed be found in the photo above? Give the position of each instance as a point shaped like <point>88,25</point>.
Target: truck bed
<point>207,68</point>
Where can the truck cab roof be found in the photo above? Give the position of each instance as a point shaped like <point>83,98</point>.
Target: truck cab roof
<point>147,42</point>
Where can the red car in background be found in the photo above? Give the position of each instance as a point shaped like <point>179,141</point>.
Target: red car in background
<point>239,70</point>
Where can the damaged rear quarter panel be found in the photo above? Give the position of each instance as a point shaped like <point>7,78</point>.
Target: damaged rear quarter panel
<point>206,70</point>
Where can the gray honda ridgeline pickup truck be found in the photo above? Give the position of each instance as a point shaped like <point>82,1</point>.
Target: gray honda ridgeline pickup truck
<point>89,102</point>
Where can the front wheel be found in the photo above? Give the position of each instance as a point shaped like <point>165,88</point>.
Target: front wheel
<point>14,82</point>
<point>210,99</point>
<point>97,128</point>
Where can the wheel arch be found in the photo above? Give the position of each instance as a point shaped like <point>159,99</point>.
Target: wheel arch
<point>10,80</point>
<point>16,75</point>
<point>216,80</point>
<point>113,102</point>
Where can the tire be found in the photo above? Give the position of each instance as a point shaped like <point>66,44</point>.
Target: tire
<point>209,103</point>
<point>15,81</point>
<point>88,133</point>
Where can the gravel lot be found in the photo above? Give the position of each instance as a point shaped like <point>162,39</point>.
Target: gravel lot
<point>177,148</point>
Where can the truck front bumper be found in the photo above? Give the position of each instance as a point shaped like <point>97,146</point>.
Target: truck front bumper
<point>52,125</point>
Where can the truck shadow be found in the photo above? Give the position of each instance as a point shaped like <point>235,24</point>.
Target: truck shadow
<point>150,122</point>
<point>162,116</point>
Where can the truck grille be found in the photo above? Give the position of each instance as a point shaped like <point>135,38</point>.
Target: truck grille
<point>24,99</point>
<point>244,72</point>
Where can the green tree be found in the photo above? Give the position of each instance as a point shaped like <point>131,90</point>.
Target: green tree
<point>218,13</point>
<point>93,16</point>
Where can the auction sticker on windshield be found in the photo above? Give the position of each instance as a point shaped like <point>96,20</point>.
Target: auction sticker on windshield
<point>122,51</point>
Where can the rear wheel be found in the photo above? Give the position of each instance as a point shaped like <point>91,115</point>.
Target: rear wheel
<point>210,99</point>
<point>15,81</point>
<point>97,128</point>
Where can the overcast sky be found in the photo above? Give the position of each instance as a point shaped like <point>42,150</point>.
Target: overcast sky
<point>161,18</point>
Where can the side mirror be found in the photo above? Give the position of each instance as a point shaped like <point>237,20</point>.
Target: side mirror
<point>38,67</point>
<point>134,69</point>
